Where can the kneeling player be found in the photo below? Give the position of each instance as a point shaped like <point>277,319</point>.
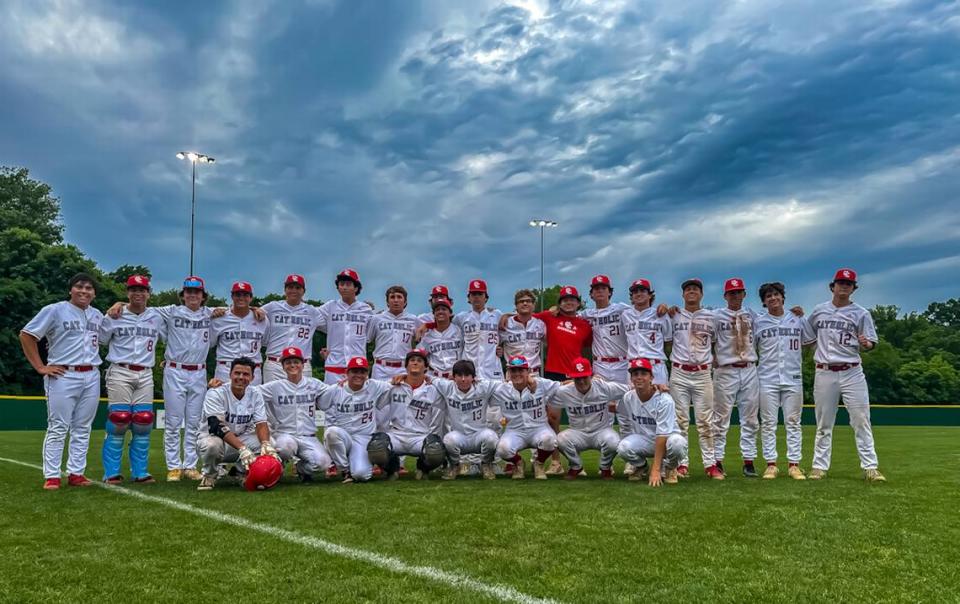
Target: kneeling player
<point>587,402</point>
<point>237,420</point>
<point>291,409</point>
<point>654,432</point>
<point>468,403</point>
<point>523,402</point>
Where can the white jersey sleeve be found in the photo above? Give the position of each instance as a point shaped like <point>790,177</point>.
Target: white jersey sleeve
<point>73,333</point>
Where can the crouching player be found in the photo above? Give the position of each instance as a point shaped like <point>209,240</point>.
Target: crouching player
<point>468,404</point>
<point>415,422</point>
<point>587,402</point>
<point>291,405</point>
<point>654,432</point>
<point>523,403</point>
<point>236,417</point>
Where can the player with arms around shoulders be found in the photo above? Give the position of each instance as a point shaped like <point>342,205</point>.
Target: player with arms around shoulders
<point>392,333</point>
<point>609,345</point>
<point>523,403</point>
<point>132,341</point>
<point>71,377</point>
<point>647,330</point>
<point>442,340</point>
<point>522,334</point>
<point>345,322</point>
<point>481,333</point>
<point>843,329</point>
<point>236,419</point>
<point>655,432</point>
<point>291,323</point>
<point>238,333</point>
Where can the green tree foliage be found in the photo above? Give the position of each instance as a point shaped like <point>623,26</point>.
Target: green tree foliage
<point>27,204</point>
<point>126,271</point>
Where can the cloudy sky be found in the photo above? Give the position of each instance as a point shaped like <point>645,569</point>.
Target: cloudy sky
<point>414,141</point>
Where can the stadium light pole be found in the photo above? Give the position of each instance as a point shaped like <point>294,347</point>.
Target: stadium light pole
<point>194,158</point>
<point>542,224</point>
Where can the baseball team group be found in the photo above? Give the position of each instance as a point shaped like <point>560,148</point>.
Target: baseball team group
<point>463,393</point>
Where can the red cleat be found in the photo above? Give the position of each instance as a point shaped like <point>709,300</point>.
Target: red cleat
<point>332,471</point>
<point>606,474</point>
<point>683,471</point>
<point>572,473</point>
<point>715,473</point>
<point>78,480</point>
<point>51,484</point>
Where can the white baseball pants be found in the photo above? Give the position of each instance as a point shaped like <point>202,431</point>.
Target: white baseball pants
<point>382,372</point>
<point>273,371</point>
<point>571,442</point>
<point>695,388</point>
<point>483,442</point>
<point>636,448</point>
<point>311,455</point>
<point>183,393</point>
<point>214,451</point>
<point>514,441</point>
<point>349,452</point>
<point>773,397</point>
<point>222,373</point>
<point>828,388</point>
<point>127,386</point>
<point>72,401</point>
<point>736,386</point>
<point>616,372</point>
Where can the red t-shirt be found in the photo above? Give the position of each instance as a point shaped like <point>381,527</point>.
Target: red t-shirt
<point>567,337</point>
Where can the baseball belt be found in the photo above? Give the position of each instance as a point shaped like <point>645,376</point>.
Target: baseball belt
<point>837,367</point>
<point>611,359</point>
<point>187,367</point>
<point>335,369</point>
<point>691,367</point>
<point>737,365</point>
<point>387,363</point>
<point>132,367</point>
<point>81,368</point>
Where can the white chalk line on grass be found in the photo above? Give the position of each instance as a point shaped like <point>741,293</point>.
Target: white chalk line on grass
<point>500,592</point>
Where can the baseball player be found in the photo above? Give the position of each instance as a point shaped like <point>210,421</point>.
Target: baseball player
<point>392,332</point>
<point>132,341</point>
<point>291,323</point>
<point>442,340</point>
<point>690,382</point>
<point>291,411</point>
<point>735,379</point>
<point>522,334</point>
<point>352,419</point>
<point>609,343</point>
<point>415,424</point>
<point>236,419</point>
<point>587,402</point>
<point>468,412</point>
<point>71,377</point>
<point>238,333</point>
<point>437,292</point>
<point>481,333</point>
<point>655,432</point>
<point>842,329</point>
<point>523,403</point>
<point>780,335</point>
<point>345,323</point>
<point>646,330</point>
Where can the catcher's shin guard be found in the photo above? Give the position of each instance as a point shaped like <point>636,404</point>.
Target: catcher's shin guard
<point>140,442</point>
<point>380,450</point>
<point>433,454</point>
<point>119,417</point>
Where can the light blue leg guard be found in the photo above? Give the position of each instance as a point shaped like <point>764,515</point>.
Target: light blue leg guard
<point>119,416</point>
<point>140,443</point>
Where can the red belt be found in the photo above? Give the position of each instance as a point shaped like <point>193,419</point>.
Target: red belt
<point>611,359</point>
<point>82,368</point>
<point>340,370</point>
<point>228,362</point>
<point>132,367</point>
<point>737,365</point>
<point>187,367</point>
<point>387,363</point>
<point>443,374</point>
<point>691,367</point>
<point>837,367</point>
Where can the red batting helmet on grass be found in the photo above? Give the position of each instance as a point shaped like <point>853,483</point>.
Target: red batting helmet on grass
<point>264,473</point>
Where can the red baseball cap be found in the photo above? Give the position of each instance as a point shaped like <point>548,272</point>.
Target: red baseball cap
<point>581,368</point>
<point>194,282</point>
<point>640,284</point>
<point>690,282</point>
<point>295,280</point>
<point>242,287</point>
<point>138,281</point>
<point>845,274</point>
<point>518,362</point>
<point>443,302</point>
<point>440,290</point>
<point>349,273</point>
<point>477,286</point>
<point>641,364</point>
<point>600,280</point>
<point>291,353</point>
<point>358,363</point>
<point>568,291</point>
<point>418,353</point>
<point>733,285</point>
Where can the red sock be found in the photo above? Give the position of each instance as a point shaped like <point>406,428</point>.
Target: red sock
<point>543,456</point>
<point>515,460</point>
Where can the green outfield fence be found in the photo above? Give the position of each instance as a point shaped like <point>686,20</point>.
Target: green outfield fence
<point>30,413</point>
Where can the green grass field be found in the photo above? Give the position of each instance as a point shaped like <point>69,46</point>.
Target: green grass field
<point>474,541</point>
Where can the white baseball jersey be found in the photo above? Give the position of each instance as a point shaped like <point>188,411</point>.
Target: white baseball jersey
<point>73,333</point>
<point>290,326</point>
<point>481,336</point>
<point>836,330</point>
<point>655,417</point>
<point>426,317</point>
<point>646,333</point>
<point>132,338</point>
<point>589,412</point>
<point>608,337</point>
<point>693,336</point>
<point>525,410</point>
<point>416,411</point>
<point>346,329</point>
<point>735,336</point>
<point>392,334</point>
<point>238,336</point>
<point>518,339</point>
<point>355,410</point>
<point>291,407</point>
<point>188,334</point>
<point>241,415</point>
<point>466,411</point>
<point>444,348</point>
<point>779,340</point>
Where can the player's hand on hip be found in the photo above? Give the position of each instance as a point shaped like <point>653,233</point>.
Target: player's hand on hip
<point>864,342</point>
<point>114,311</point>
<point>246,457</point>
<point>218,312</point>
<point>324,353</point>
<point>655,480</point>
<point>52,370</point>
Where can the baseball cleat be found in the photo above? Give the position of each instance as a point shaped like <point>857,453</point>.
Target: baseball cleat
<point>419,474</point>
<point>403,471</point>
<point>719,466</point>
<point>671,477</point>
<point>347,478</point>
<point>517,472</point>
<point>538,471</point>
<point>771,472</point>
<point>683,471</point>
<point>629,469</point>
<point>51,484</point>
<point>377,471</point>
<point>555,469</point>
<point>207,482</point>
<point>795,473</point>
<point>572,474</point>
<point>145,480</point>
<point>606,474</point>
<point>817,474</point>
<point>118,479</point>
<point>452,472</point>
<point>393,476</point>
<point>874,475</point>
<point>174,475</point>
<point>78,480</point>
<point>715,473</point>
<point>332,471</point>
<point>640,473</point>
<point>583,473</point>
<point>191,474</point>
<point>486,470</point>
<point>749,470</point>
